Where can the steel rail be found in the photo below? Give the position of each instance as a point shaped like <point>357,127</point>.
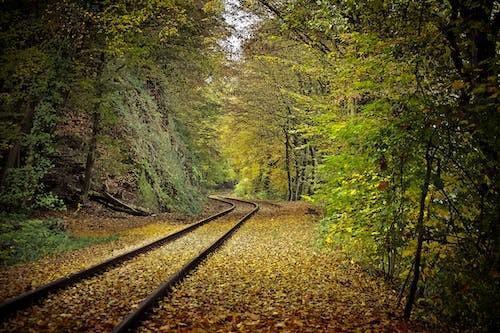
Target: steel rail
<point>135,317</point>
<point>25,299</point>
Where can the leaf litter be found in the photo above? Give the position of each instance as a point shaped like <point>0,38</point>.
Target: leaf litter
<point>99,303</point>
<point>272,276</point>
<point>132,232</point>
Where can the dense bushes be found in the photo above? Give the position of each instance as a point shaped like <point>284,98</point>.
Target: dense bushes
<point>107,95</point>
<point>385,113</point>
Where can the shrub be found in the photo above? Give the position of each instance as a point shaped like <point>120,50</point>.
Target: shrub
<point>23,240</point>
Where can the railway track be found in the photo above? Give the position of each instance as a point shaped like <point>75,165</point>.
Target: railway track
<point>29,297</point>
<point>161,264</point>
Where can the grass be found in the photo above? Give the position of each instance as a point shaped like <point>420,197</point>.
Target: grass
<point>23,239</point>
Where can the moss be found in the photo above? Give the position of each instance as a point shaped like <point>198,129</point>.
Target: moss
<point>147,195</point>
<point>158,150</point>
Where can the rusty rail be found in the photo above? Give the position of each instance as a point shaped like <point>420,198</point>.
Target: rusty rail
<point>135,317</point>
<point>24,300</point>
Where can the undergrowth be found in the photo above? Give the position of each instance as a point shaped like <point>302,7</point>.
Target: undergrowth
<point>23,239</point>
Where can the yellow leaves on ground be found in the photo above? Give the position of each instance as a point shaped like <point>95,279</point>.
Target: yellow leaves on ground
<point>23,277</point>
<point>132,231</point>
<point>99,303</point>
<point>271,277</point>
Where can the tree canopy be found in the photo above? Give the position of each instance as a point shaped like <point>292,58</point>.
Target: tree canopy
<point>385,114</point>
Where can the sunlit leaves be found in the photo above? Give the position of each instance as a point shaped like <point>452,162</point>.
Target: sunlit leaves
<point>23,277</point>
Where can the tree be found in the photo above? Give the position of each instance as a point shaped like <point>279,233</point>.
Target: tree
<point>399,100</point>
<point>113,73</point>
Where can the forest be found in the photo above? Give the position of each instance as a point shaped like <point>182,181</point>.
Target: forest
<point>380,116</point>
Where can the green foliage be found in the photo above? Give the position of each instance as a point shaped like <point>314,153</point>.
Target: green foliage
<point>380,90</point>
<point>49,201</point>
<point>19,187</point>
<point>148,137</point>
<point>132,75</point>
<point>24,239</point>
<point>23,188</point>
<point>147,194</point>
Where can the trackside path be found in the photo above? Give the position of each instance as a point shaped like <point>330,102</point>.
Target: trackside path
<point>271,277</point>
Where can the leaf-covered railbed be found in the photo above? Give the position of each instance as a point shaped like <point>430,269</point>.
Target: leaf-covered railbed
<point>24,277</point>
<point>126,234</point>
<point>99,303</point>
<point>272,276</point>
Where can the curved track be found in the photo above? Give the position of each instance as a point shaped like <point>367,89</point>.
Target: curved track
<point>98,298</point>
<point>29,297</point>
<point>134,318</point>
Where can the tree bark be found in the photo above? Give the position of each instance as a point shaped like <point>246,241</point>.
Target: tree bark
<point>314,162</point>
<point>420,232</point>
<point>116,202</point>
<point>297,172</point>
<point>303,168</point>
<point>287,164</point>
<point>89,164</point>
<point>96,118</point>
<point>14,156</point>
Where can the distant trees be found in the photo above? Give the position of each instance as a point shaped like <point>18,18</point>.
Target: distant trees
<point>399,102</point>
<point>271,156</point>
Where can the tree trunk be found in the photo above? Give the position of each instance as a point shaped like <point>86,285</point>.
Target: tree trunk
<point>312,187</point>
<point>420,233</point>
<point>14,156</point>
<point>287,164</point>
<point>303,168</point>
<point>295,177</point>
<point>89,164</point>
<point>297,173</point>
